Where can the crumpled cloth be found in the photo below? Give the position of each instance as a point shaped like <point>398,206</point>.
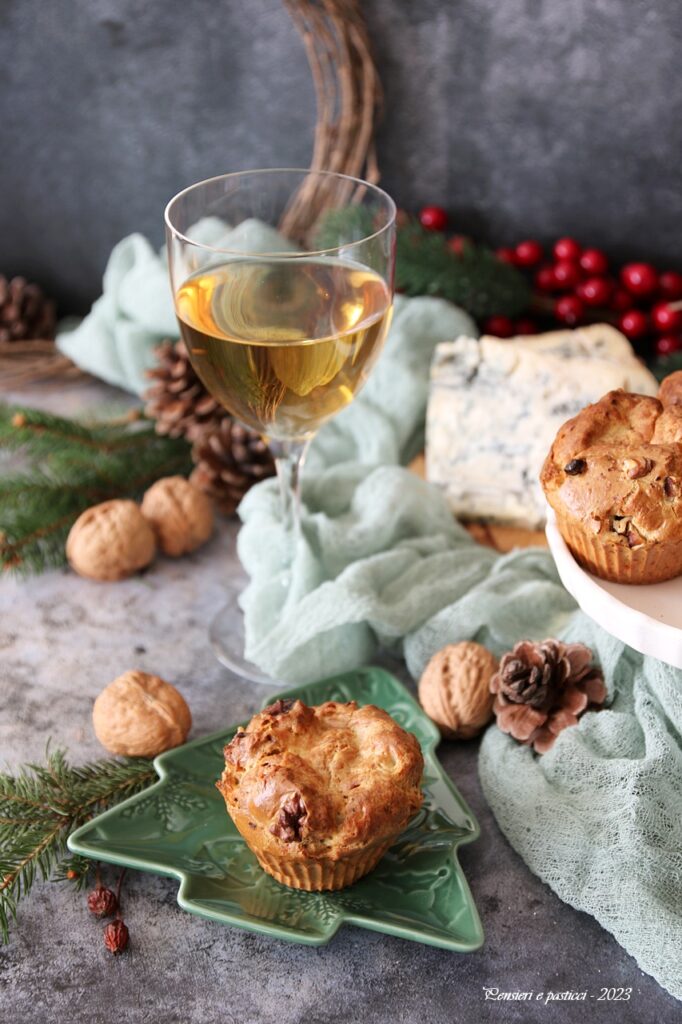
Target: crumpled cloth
<point>382,562</point>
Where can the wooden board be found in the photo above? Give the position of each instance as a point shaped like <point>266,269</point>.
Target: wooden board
<point>502,538</point>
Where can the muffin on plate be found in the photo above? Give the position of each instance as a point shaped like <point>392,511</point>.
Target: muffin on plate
<point>320,793</point>
<point>614,479</point>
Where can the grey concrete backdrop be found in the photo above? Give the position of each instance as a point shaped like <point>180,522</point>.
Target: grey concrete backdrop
<point>523,117</point>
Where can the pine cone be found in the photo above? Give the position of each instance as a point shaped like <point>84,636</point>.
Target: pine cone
<point>25,312</point>
<point>540,688</point>
<point>178,401</point>
<point>229,460</point>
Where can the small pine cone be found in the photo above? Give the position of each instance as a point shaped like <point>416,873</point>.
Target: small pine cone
<point>25,313</point>
<point>102,902</point>
<point>229,460</point>
<point>177,400</point>
<point>116,936</point>
<point>540,688</point>
<point>531,672</point>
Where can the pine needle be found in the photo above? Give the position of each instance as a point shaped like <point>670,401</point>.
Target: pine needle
<point>71,466</point>
<point>41,805</point>
<point>474,279</point>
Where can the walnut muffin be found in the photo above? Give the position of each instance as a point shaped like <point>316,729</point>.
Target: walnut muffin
<point>320,793</point>
<point>614,479</point>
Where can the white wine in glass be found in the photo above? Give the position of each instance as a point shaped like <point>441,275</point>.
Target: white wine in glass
<point>284,344</point>
<point>283,339</point>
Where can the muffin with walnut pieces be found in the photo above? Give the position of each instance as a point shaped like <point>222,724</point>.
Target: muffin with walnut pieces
<point>614,479</point>
<point>320,793</point>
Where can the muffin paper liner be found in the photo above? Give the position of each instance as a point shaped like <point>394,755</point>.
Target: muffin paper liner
<point>317,875</point>
<point>619,563</point>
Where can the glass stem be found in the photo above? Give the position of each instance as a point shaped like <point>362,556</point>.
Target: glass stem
<point>289,459</point>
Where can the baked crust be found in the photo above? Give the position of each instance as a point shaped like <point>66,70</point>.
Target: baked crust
<point>614,479</point>
<point>314,787</point>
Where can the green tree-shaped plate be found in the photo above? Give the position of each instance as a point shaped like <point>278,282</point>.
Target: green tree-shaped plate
<point>179,827</point>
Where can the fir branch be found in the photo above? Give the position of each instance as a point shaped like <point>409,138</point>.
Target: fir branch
<point>42,433</point>
<point>474,278</point>
<point>74,869</point>
<point>41,805</point>
<point>72,465</point>
<point>343,227</point>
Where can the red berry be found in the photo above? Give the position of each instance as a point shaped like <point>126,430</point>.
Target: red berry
<point>545,280</point>
<point>567,249</point>
<point>593,261</point>
<point>639,278</point>
<point>499,326</point>
<point>668,343</point>
<point>506,254</point>
<point>596,291</point>
<point>665,317</point>
<point>569,309</point>
<point>458,243</point>
<point>566,273</point>
<point>434,218</point>
<point>524,325</point>
<point>620,300</point>
<point>528,253</point>
<point>670,284</point>
<point>634,323</point>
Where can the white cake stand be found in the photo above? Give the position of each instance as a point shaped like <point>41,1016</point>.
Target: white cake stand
<point>646,618</point>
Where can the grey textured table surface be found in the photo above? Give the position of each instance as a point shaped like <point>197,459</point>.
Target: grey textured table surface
<point>61,640</point>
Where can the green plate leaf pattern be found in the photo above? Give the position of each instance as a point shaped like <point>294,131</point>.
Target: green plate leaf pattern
<point>179,827</point>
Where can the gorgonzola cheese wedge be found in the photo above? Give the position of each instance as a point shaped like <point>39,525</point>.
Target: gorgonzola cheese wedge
<point>495,407</point>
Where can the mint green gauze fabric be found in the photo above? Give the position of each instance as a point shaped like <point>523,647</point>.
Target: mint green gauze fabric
<point>382,563</point>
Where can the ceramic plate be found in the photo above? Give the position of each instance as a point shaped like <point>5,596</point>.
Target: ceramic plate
<point>647,618</point>
<point>179,827</point>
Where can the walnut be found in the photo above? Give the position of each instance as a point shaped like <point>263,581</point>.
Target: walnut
<point>139,715</point>
<point>179,513</point>
<point>637,467</point>
<point>454,689</point>
<point>110,541</point>
<point>292,815</point>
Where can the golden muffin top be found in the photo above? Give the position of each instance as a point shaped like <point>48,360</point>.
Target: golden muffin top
<point>617,466</point>
<point>321,780</point>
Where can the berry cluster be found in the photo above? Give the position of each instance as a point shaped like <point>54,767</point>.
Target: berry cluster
<point>575,285</point>
<point>643,303</point>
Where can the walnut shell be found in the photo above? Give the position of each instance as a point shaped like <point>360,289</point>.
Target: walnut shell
<point>454,689</point>
<point>139,715</point>
<point>110,541</point>
<point>179,513</point>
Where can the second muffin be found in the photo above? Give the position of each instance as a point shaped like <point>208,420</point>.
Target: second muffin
<point>614,479</point>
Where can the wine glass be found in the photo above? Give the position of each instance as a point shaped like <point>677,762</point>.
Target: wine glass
<point>283,286</point>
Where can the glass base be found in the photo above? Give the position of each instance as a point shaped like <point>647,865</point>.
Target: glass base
<point>226,634</point>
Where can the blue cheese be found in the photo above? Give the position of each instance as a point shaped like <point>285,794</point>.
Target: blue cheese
<point>495,407</point>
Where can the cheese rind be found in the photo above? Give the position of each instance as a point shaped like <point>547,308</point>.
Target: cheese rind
<point>495,407</point>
